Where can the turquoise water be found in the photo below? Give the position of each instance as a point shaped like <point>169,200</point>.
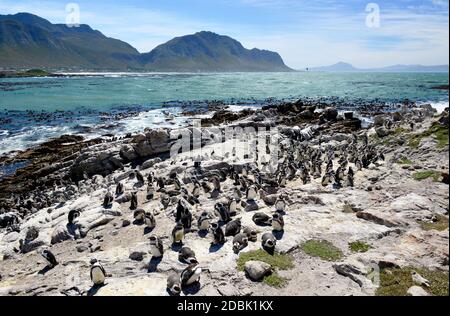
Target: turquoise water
<point>118,103</point>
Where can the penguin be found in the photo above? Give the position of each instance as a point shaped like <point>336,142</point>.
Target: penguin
<point>326,180</point>
<point>139,177</point>
<point>206,187</point>
<point>204,221</point>
<point>233,228</point>
<point>48,255</point>
<point>150,178</point>
<point>139,215</point>
<point>134,201</point>
<point>178,233</point>
<point>277,222</point>
<point>180,210</point>
<point>240,241</point>
<point>269,242</point>
<point>187,255</point>
<point>216,184</point>
<point>350,177</point>
<point>73,215</point>
<point>149,220</point>
<point>108,199</point>
<point>280,205</point>
<point>98,274</point>
<point>150,192</point>
<point>262,219</point>
<point>222,212</point>
<point>196,191</point>
<point>252,234</point>
<point>156,246</point>
<point>232,206</point>
<point>218,234</point>
<point>191,274</point>
<point>174,285</point>
<point>119,189</point>
<point>161,184</point>
<point>186,219</point>
<point>251,193</point>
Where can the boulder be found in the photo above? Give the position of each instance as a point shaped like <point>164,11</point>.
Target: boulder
<point>330,114</point>
<point>397,117</point>
<point>417,291</point>
<point>381,132</point>
<point>257,270</point>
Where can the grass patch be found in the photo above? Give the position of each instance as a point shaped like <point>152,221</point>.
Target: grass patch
<point>437,131</point>
<point>274,280</point>
<point>396,282</point>
<point>423,175</point>
<point>276,261</point>
<point>404,161</point>
<point>279,261</point>
<point>440,225</point>
<point>33,73</point>
<point>359,246</point>
<point>322,249</point>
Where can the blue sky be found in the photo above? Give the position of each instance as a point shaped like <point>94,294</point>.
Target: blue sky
<point>306,33</point>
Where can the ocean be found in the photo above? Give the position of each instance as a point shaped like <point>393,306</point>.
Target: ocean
<point>32,110</point>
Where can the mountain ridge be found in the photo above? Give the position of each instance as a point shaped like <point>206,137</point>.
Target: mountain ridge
<point>346,67</point>
<point>29,41</point>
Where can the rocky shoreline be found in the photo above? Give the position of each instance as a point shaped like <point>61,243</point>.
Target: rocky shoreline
<point>387,211</point>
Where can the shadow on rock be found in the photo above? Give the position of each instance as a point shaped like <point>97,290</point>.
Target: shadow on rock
<point>153,264</point>
<point>192,289</point>
<point>94,289</point>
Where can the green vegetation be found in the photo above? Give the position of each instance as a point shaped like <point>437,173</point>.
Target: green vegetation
<point>404,161</point>
<point>423,175</point>
<point>322,249</point>
<point>440,224</point>
<point>359,246</point>
<point>396,282</point>
<point>276,261</point>
<point>437,131</point>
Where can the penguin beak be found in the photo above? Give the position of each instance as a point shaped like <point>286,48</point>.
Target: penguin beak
<point>176,289</point>
<point>193,261</point>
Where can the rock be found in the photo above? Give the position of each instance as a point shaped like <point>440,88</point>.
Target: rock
<point>82,248</point>
<point>417,291</point>
<point>95,246</point>
<point>60,234</point>
<point>348,115</point>
<point>382,131</point>
<point>228,290</point>
<point>137,255</point>
<point>397,117</point>
<point>156,142</point>
<point>126,223</point>
<point>150,163</point>
<point>379,120</point>
<point>257,270</point>
<point>32,233</point>
<point>11,237</point>
<point>330,114</point>
<point>306,115</point>
<point>28,246</point>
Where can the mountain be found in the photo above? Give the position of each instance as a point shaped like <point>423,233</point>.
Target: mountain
<point>28,41</point>
<point>207,51</point>
<point>345,67</point>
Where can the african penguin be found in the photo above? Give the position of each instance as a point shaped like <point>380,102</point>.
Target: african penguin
<point>218,234</point>
<point>73,215</point>
<point>174,284</point>
<point>156,246</point>
<point>139,177</point>
<point>233,228</point>
<point>139,215</point>
<point>187,255</point>
<point>252,234</point>
<point>277,222</point>
<point>191,274</point>
<point>262,219</point>
<point>119,189</point>
<point>269,242</point>
<point>251,193</point>
<point>149,220</point>
<point>240,241</point>
<point>134,201</point>
<point>204,221</point>
<point>178,233</point>
<point>108,199</point>
<point>222,212</point>
<point>98,274</point>
<point>48,255</point>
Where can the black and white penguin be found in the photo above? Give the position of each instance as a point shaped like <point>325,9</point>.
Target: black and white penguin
<point>327,178</point>
<point>240,241</point>
<point>98,274</point>
<point>139,177</point>
<point>178,233</point>
<point>252,234</point>
<point>222,212</point>
<point>134,201</point>
<point>156,246</point>
<point>139,215</point>
<point>160,183</point>
<point>251,193</point>
<point>174,284</point>
<point>74,214</point>
<point>151,178</point>
<point>191,274</point>
<point>119,189</point>
<point>196,191</point>
<point>216,184</point>
<point>206,187</point>
<point>107,200</point>
<point>204,221</point>
<point>187,255</point>
<point>218,234</point>
<point>280,205</point>
<point>232,206</point>
<point>277,222</point>
<point>233,228</point>
<point>50,257</point>
<point>262,219</point>
<point>269,242</point>
<point>350,177</point>
<point>150,192</point>
<point>149,220</point>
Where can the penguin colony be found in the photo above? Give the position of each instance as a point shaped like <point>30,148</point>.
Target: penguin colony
<point>180,196</point>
